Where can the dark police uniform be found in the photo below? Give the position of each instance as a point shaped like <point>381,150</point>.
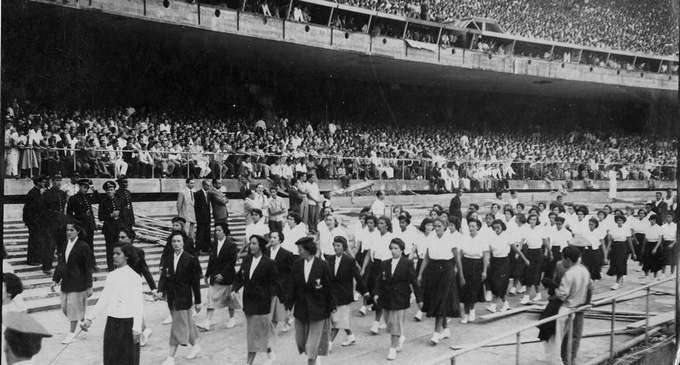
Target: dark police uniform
<point>111,225</point>
<point>80,208</point>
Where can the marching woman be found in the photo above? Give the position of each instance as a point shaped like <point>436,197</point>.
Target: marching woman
<point>379,251</point>
<point>655,257</point>
<point>639,226</point>
<point>344,271</point>
<point>474,252</point>
<point>74,271</point>
<point>310,293</point>
<point>396,282</point>
<point>592,252</point>
<point>123,298</point>
<point>327,230</point>
<point>364,258</point>
<point>670,232</point>
<point>621,245</point>
<point>259,279</point>
<point>500,244</point>
<point>536,249</point>
<point>294,229</point>
<point>284,265</point>
<point>220,275</point>
<point>420,249</point>
<point>517,266</point>
<point>180,283</point>
<point>441,268</point>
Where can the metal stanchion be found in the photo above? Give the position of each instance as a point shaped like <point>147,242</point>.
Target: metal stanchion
<point>570,339</point>
<point>518,346</point>
<point>611,335</point>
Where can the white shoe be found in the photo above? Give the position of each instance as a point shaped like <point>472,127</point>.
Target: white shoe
<point>392,354</point>
<point>362,310</point>
<point>400,347</point>
<point>513,290</point>
<point>286,327</point>
<point>231,323</point>
<point>435,338</point>
<point>375,328</point>
<point>488,297</point>
<point>195,349</point>
<point>472,315</point>
<point>615,286</point>
<point>465,319</point>
<point>291,320</point>
<point>446,333</point>
<point>537,298</point>
<point>418,316</point>
<point>69,338</point>
<point>357,296</point>
<point>382,326</point>
<point>144,338</point>
<point>492,308</point>
<point>351,340</point>
<point>505,307</point>
<point>525,300</point>
<point>522,290</point>
<point>168,320</point>
<point>169,361</point>
<point>270,358</point>
<point>205,325</point>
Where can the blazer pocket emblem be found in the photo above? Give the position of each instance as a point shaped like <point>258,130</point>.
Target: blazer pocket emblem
<point>384,275</point>
<point>318,284</point>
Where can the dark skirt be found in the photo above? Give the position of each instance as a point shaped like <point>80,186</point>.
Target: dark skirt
<point>517,265</point>
<point>120,347</point>
<point>637,245</point>
<point>532,274</point>
<point>618,259</point>
<point>547,330</point>
<point>372,274</point>
<point>498,277</point>
<point>551,264</point>
<point>653,262</point>
<point>440,290</point>
<point>472,272</point>
<point>592,260</point>
<point>671,253</point>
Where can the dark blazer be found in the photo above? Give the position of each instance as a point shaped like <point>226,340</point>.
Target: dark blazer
<point>312,299</point>
<point>258,289</point>
<point>127,211</point>
<point>219,205</point>
<point>295,199</point>
<point>454,207</point>
<point>394,291</point>
<point>223,262</point>
<point>284,266</point>
<point>142,268</point>
<point>76,273</point>
<point>245,190</point>
<point>179,285</point>
<point>660,208</point>
<point>202,206</point>
<point>342,282</point>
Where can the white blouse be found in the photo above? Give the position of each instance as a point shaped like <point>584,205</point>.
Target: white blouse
<point>619,234</point>
<point>327,236</point>
<point>670,231</point>
<point>441,248</point>
<point>499,244</point>
<point>559,238</point>
<point>408,236</point>
<point>639,226</point>
<point>474,247</point>
<point>654,233</point>
<point>593,238</point>
<point>534,237</point>
<point>422,243</point>
<point>122,296</point>
<point>380,247</point>
<point>291,236</point>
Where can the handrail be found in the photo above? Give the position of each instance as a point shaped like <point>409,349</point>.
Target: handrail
<point>467,349</point>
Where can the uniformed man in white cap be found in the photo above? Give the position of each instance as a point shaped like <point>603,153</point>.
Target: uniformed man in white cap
<point>23,338</point>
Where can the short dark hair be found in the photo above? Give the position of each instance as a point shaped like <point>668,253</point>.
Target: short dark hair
<point>425,222</point>
<point>387,221</point>
<point>475,221</point>
<point>281,235</point>
<point>296,217</point>
<point>373,219</point>
<point>308,244</point>
<point>257,211</point>
<point>128,251</point>
<point>261,241</point>
<point>594,220</point>
<point>13,284</point>
<point>129,232</point>
<point>342,240</point>
<point>500,223</point>
<point>398,242</point>
<point>188,180</point>
<point>224,226</point>
<point>455,221</point>
<point>572,253</point>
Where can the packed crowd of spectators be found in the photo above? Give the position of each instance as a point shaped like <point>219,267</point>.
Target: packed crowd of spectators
<point>640,26</point>
<point>167,144</point>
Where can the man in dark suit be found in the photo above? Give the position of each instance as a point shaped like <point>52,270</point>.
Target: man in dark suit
<point>220,275</point>
<point>202,206</point>
<point>244,187</point>
<point>454,206</point>
<point>109,215</point>
<point>80,208</point>
<point>55,201</point>
<point>74,271</point>
<point>259,279</point>
<point>284,266</point>
<point>180,283</point>
<point>310,293</point>
<point>34,216</point>
<point>295,197</point>
<point>127,212</point>
<point>659,206</point>
<point>344,271</point>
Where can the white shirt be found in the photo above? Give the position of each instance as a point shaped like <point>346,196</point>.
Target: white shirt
<point>499,244</point>
<point>474,247</point>
<point>654,233</point>
<point>258,228</point>
<point>326,237</point>
<point>292,236</point>
<point>422,243</point>
<point>534,237</point>
<point>253,265</point>
<point>670,231</point>
<point>593,238</point>
<point>219,245</point>
<point>273,251</point>
<point>378,208</point>
<point>122,296</point>
<point>380,247</point>
<point>619,234</point>
<point>639,226</point>
<point>394,265</point>
<point>176,259</point>
<point>559,238</point>
<point>337,264</point>
<point>308,268</point>
<point>313,191</point>
<point>408,236</point>
<point>441,248</point>
<point>69,248</point>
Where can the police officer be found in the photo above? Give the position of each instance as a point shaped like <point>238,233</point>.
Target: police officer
<point>55,201</point>
<point>110,216</point>
<point>23,338</point>
<point>127,213</point>
<point>80,208</point>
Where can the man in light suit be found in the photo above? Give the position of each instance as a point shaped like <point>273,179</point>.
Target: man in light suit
<point>185,207</point>
<point>218,202</point>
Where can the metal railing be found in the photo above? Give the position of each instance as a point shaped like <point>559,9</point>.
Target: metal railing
<point>355,167</point>
<point>451,357</point>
